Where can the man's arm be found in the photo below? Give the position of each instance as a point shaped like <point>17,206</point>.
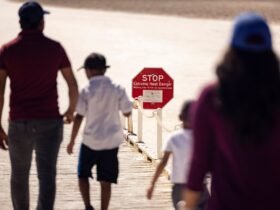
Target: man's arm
<point>159,170</point>
<point>69,77</point>
<point>3,135</point>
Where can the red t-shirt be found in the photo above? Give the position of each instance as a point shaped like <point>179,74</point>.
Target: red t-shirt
<point>32,62</point>
<point>244,176</point>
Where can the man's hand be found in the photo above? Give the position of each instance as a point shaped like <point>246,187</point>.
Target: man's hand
<point>68,116</point>
<point>3,139</point>
<point>69,77</point>
<point>70,148</point>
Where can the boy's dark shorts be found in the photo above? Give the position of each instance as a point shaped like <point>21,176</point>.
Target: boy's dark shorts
<point>106,161</point>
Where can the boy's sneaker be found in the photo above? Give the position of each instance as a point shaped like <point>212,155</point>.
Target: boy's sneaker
<point>89,208</point>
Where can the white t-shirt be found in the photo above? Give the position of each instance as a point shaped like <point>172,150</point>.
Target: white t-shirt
<point>180,144</point>
<point>100,102</point>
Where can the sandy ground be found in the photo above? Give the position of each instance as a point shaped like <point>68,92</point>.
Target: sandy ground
<point>222,9</point>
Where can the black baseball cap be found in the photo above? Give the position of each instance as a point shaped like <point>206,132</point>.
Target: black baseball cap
<point>31,12</point>
<point>95,61</point>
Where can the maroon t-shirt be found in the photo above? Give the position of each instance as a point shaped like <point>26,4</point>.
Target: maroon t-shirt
<point>32,62</point>
<point>244,176</point>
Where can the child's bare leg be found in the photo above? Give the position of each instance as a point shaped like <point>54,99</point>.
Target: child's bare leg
<point>105,194</point>
<point>84,189</point>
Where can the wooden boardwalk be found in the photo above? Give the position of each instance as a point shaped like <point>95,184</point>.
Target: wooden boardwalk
<point>135,175</point>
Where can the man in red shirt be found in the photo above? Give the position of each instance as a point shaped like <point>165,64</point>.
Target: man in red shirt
<point>31,61</point>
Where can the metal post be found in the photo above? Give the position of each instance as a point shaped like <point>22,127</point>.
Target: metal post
<point>159,134</point>
<point>140,120</point>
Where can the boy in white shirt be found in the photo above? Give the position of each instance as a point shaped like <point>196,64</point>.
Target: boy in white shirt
<point>99,102</point>
<point>180,145</point>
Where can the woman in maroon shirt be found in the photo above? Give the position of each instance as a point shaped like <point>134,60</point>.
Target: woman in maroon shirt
<point>237,125</point>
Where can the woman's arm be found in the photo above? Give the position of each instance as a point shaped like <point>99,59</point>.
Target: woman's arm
<point>191,198</point>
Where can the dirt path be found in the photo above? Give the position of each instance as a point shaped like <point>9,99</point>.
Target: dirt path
<point>221,9</point>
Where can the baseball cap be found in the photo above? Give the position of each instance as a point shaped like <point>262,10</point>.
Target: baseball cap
<point>95,61</point>
<point>31,12</point>
<point>248,26</point>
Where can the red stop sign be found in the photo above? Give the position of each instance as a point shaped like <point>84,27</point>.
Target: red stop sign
<point>155,86</point>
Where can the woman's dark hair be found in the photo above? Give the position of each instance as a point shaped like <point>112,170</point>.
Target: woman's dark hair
<point>249,92</point>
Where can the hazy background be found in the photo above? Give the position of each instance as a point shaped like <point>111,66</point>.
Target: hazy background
<point>187,39</point>
<point>222,9</point>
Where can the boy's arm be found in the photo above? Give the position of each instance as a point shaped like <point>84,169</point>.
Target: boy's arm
<point>159,170</point>
<point>76,126</point>
<point>125,104</point>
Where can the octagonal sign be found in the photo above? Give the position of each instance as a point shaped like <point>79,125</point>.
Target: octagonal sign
<point>155,86</point>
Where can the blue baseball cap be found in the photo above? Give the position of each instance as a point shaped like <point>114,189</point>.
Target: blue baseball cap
<point>251,33</point>
<point>31,12</point>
